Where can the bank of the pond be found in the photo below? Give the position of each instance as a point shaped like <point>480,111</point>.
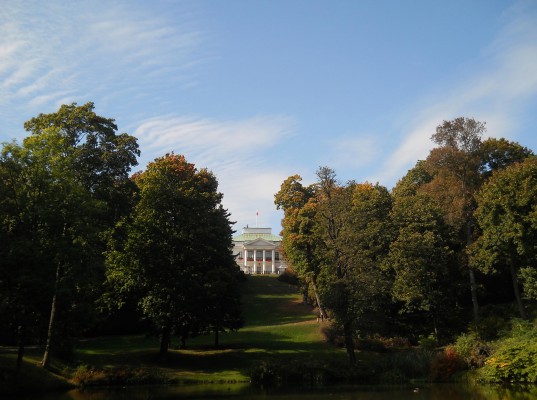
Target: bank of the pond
<point>379,392</point>
<point>282,344</point>
<point>31,378</point>
<point>277,325</point>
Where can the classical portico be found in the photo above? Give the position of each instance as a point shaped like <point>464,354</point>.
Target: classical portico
<point>258,251</point>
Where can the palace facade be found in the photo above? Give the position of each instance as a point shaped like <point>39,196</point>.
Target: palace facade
<point>258,251</point>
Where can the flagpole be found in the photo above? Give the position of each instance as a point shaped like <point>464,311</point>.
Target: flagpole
<point>256,215</point>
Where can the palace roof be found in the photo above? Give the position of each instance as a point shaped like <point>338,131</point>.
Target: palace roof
<point>249,234</point>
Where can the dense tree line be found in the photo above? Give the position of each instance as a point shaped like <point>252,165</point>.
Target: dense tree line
<point>77,231</point>
<point>415,260</point>
<point>80,237</point>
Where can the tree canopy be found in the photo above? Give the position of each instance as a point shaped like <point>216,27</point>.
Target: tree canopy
<point>65,186</point>
<point>175,254</point>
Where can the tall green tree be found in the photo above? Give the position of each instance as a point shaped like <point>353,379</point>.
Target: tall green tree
<point>350,225</point>
<point>176,242</point>
<point>365,238</point>
<point>24,276</point>
<point>420,257</point>
<point>458,167</point>
<point>334,201</point>
<point>507,216</point>
<point>299,241</point>
<point>68,181</point>
<point>455,165</point>
<point>498,154</point>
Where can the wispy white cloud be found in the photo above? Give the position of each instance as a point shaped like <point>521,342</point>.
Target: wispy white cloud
<point>243,154</point>
<point>246,137</point>
<point>49,52</point>
<point>505,76</point>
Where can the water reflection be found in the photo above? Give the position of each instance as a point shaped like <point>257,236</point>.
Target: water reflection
<point>215,391</point>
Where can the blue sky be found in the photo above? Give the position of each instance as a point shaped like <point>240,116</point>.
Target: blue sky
<point>259,90</point>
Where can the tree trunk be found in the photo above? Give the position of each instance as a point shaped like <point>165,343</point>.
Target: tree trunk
<point>164,343</point>
<point>435,328</point>
<point>471,274</point>
<point>349,344</point>
<point>20,350</point>
<point>473,290</point>
<point>216,344</point>
<point>322,311</point>
<point>516,289</point>
<point>46,356</point>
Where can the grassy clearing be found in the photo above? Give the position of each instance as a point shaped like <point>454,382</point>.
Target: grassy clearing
<point>277,325</point>
<point>281,337</point>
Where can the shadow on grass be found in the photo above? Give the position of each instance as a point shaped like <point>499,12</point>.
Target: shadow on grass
<point>277,325</point>
<point>238,351</point>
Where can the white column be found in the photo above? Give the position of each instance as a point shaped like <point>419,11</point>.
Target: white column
<point>254,270</point>
<point>244,256</point>
<point>273,262</point>
<point>264,262</point>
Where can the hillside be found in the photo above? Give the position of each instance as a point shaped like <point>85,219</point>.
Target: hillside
<point>277,324</point>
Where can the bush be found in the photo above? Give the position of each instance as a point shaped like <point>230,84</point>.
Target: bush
<point>275,373</point>
<point>396,342</point>
<point>333,335</point>
<point>371,344</point>
<point>514,357</point>
<point>382,344</point>
<point>428,342</point>
<point>403,366</point>
<point>446,364</point>
<point>289,277</point>
<point>88,376</point>
<point>390,368</point>
<point>471,350</point>
<point>494,320</point>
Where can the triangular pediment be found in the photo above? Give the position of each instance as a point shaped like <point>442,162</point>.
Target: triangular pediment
<point>259,243</point>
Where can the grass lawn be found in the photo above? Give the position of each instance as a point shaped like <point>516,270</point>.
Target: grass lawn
<point>277,324</point>
<point>277,327</point>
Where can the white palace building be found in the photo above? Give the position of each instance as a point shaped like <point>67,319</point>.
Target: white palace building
<point>258,251</point>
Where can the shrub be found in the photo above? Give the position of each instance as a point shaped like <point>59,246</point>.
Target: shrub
<point>396,342</point>
<point>495,320</point>
<point>275,373</point>
<point>427,342</point>
<point>266,373</point>
<point>402,366</point>
<point>86,375</point>
<point>89,376</point>
<point>381,344</point>
<point>333,335</point>
<point>289,277</point>
<point>446,364</point>
<point>371,344</point>
<point>471,350</point>
<point>514,357</point>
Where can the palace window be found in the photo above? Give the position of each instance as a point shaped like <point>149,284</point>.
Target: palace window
<point>277,256</point>
<point>259,256</point>
<point>250,255</point>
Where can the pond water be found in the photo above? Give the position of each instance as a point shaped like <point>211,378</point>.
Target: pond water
<point>245,391</point>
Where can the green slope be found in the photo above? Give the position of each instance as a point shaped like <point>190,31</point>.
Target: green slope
<point>277,324</point>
